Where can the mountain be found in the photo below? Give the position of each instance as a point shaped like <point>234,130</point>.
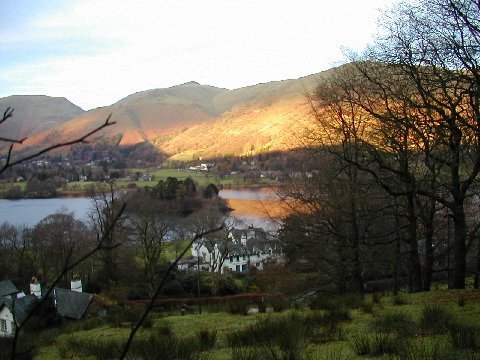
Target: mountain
<point>36,113</point>
<point>192,120</point>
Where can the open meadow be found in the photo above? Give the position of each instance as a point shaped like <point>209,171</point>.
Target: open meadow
<point>441,324</point>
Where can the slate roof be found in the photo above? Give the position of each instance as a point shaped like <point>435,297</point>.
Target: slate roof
<point>22,306</point>
<point>71,304</point>
<point>7,288</point>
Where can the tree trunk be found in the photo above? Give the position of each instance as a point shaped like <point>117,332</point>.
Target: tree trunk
<point>459,247</point>
<point>415,282</point>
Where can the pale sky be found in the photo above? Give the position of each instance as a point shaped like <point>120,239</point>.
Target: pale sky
<point>95,52</point>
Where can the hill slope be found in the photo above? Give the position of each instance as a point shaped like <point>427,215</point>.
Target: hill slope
<point>36,113</point>
<point>191,120</point>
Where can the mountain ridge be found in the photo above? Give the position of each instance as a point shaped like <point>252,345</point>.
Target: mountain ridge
<point>193,120</point>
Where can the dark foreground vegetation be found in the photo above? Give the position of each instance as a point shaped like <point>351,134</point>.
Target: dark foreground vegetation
<point>437,325</point>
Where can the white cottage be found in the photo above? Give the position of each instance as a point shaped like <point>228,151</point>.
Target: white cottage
<point>9,322</point>
<point>244,248</point>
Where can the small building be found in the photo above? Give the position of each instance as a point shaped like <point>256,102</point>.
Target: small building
<point>244,248</point>
<point>8,289</point>
<point>13,312</point>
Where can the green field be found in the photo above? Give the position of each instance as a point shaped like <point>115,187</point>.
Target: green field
<point>440,324</point>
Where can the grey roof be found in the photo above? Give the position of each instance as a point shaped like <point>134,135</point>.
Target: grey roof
<point>71,304</point>
<point>7,288</point>
<point>22,306</point>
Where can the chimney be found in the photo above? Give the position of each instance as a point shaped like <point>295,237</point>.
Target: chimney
<point>35,287</point>
<point>76,285</point>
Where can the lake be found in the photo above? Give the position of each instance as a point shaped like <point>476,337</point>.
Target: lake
<point>250,206</point>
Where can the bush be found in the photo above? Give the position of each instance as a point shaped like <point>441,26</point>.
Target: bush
<point>285,331</point>
<point>237,308</point>
<point>368,307</point>
<point>361,344</point>
<point>464,336</point>
<point>387,344</point>
<point>400,299</point>
<point>429,350</point>
<point>376,297</point>
<point>245,353</point>
<point>397,322</point>
<point>279,305</point>
<point>461,301</point>
<point>206,339</point>
<point>435,319</point>
<point>158,346</point>
<point>97,348</point>
<point>377,345</point>
<point>262,306</point>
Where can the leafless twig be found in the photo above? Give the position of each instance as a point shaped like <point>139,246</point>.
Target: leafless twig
<point>68,267</point>
<point>82,139</point>
<point>159,288</point>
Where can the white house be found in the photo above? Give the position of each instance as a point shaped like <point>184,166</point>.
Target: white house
<point>243,249</point>
<point>69,303</point>
<point>21,306</point>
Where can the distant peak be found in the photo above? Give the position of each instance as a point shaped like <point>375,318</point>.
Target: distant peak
<point>190,83</point>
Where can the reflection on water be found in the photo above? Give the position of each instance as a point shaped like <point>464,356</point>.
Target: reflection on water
<point>250,206</point>
<point>249,194</point>
<point>254,206</point>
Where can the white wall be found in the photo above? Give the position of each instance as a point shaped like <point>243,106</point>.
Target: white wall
<point>6,315</point>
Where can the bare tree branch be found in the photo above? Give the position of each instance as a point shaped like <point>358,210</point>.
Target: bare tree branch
<point>68,267</point>
<point>81,139</point>
<point>159,288</point>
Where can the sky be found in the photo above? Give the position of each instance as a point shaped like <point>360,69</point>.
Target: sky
<point>96,52</point>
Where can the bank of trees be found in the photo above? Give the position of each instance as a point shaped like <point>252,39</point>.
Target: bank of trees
<point>132,249</point>
<point>401,126</point>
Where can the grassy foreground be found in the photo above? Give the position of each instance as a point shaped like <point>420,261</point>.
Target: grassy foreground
<point>437,325</point>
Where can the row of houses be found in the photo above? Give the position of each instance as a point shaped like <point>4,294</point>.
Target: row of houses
<point>15,305</point>
<point>240,250</point>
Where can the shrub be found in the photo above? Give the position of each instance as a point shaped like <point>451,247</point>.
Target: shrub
<point>245,353</point>
<point>262,306</point>
<point>157,346</point>
<point>435,319</point>
<point>368,307</point>
<point>337,315</point>
<point>237,308</point>
<point>386,344</point>
<point>376,297</point>
<point>279,305</point>
<point>206,339</point>
<point>97,348</point>
<point>282,331</point>
<point>429,350</point>
<point>361,344</point>
<point>329,332</point>
<point>400,299</point>
<point>397,322</point>
<point>464,336</point>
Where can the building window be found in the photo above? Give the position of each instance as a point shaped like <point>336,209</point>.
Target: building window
<point>237,268</point>
<point>244,267</point>
<point>3,325</point>
<point>243,257</point>
<point>238,257</point>
<point>231,258</point>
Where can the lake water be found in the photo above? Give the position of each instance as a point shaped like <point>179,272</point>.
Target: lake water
<point>31,211</point>
<point>249,206</point>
